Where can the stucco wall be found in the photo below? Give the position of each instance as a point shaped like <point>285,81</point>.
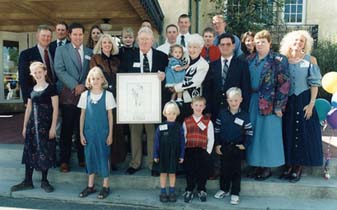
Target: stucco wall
<point>323,13</point>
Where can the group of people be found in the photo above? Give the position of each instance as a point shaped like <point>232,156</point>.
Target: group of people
<point>225,100</point>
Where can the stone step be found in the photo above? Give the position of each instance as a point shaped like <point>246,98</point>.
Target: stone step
<point>148,199</point>
<point>309,187</point>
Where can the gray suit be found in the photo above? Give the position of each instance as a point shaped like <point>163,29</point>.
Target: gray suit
<point>70,74</point>
<point>67,68</point>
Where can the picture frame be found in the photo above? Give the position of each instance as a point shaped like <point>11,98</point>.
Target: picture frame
<point>138,98</point>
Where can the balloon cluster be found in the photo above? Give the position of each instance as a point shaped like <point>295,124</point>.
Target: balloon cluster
<point>327,113</point>
<point>325,110</point>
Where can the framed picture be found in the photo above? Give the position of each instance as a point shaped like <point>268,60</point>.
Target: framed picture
<point>138,98</point>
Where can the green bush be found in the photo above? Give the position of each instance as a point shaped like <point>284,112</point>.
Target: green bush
<point>326,54</point>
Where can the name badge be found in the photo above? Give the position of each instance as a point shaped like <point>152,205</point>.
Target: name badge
<point>202,126</point>
<point>87,57</point>
<point>163,127</point>
<point>238,121</point>
<point>136,65</point>
<point>304,64</point>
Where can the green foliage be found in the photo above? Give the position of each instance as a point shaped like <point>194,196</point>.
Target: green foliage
<point>326,54</point>
<point>248,15</point>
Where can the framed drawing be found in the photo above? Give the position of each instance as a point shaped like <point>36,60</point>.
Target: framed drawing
<point>138,98</point>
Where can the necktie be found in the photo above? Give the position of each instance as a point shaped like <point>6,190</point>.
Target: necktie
<point>146,66</point>
<point>59,43</point>
<point>182,41</point>
<point>79,58</point>
<point>224,71</point>
<point>47,62</point>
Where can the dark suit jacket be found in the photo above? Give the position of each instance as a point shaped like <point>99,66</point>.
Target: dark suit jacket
<point>215,93</point>
<point>52,47</point>
<point>159,63</point>
<point>26,81</point>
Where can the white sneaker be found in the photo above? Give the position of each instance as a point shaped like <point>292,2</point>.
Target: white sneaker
<point>235,200</point>
<point>221,194</point>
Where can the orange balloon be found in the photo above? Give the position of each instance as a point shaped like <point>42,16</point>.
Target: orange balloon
<point>329,82</point>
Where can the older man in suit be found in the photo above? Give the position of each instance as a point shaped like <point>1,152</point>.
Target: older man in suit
<point>71,67</point>
<point>39,52</point>
<point>145,60</point>
<point>61,29</point>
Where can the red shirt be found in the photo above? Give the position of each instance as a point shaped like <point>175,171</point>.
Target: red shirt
<point>194,135</point>
<point>213,53</point>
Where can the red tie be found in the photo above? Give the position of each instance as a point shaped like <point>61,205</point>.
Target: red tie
<point>47,62</point>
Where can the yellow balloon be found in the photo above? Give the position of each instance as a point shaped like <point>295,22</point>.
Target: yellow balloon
<point>329,82</point>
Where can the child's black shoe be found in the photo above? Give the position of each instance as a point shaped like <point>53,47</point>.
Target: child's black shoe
<point>172,197</point>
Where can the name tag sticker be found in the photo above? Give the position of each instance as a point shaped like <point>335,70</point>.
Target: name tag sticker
<point>136,65</point>
<point>87,57</point>
<point>202,126</point>
<point>304,64</point>
<point>163,127</point>
<point>238,121</point>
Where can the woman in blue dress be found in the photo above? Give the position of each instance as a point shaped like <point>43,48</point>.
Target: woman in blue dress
<point>270,85</point>
<point>301,127</point>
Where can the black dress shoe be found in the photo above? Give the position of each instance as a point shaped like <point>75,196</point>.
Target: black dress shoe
<point>131,170</point>
<point>46,186</point>
<point>154,173</point>
<point>286,174</point>
<point>295,177</point>
<point>266,173</point>
<point>22,186</point>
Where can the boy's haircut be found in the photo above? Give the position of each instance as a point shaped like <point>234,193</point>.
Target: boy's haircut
<point>171,105</point>
<point>233,91</point>
<point>93,72</point>
<point>198,99</point>
<point>183,16</point>
<point>226,35</point>
<point>171,25</point>
<point>75,25</point>
<point>209,30</point>
<point>176,46</point>
<point>128,30</point>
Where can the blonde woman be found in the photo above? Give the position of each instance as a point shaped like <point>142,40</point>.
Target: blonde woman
<point>301,128</point>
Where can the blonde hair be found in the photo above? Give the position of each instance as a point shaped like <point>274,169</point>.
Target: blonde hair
<point>289,38</point>
<point>98,47</point>
<point>37,65</point>
<point>233,91</point>
<point>264,34</point>
<point>198,99</point>
<point>96,71</point>
<point>171,105</point>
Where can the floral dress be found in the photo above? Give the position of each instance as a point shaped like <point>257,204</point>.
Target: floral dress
<point>39,150</point>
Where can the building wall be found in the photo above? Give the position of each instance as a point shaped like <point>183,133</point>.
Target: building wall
<point>323,14</point>
<point>172,10</point>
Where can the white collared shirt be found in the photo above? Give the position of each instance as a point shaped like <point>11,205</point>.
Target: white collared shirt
<point>229,59</point>
<point>149,57</point>
<point>80,50</point>
<point>64,42</point>
<point>186,37</point>
<point>41,51</point>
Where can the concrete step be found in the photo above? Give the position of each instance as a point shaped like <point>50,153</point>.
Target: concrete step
<point>309,187</point>
<point>148,199</point>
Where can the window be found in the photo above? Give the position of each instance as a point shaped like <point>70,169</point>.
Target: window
<point>293,11</point>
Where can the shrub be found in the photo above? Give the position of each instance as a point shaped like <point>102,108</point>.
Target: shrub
<point>326,54</point>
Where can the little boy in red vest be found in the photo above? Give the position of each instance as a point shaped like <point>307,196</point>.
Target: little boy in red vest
<point>199,134</point>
